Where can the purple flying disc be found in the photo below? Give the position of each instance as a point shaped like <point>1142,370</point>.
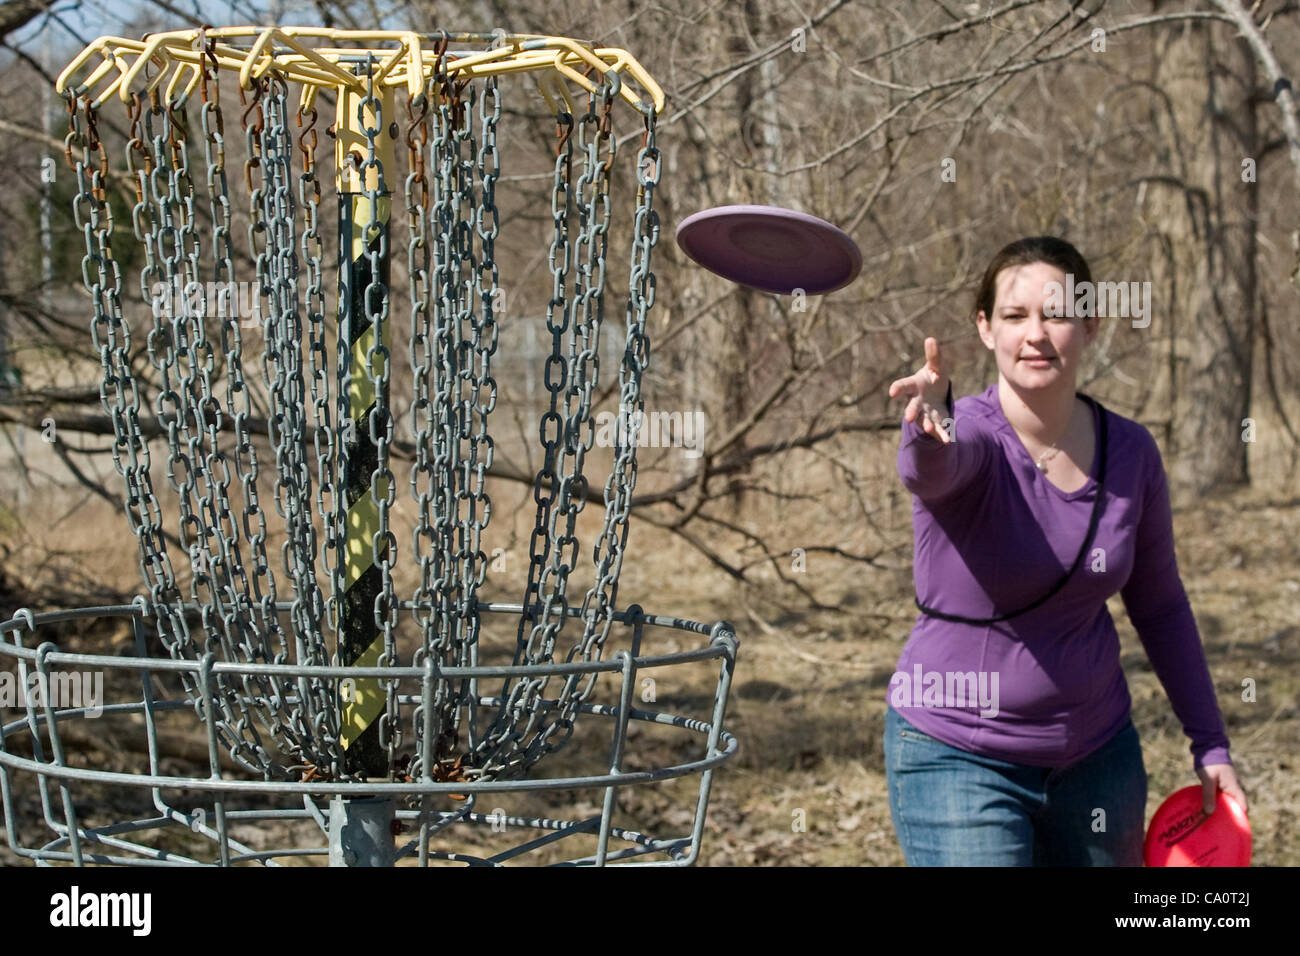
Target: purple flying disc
<point>771,249</point>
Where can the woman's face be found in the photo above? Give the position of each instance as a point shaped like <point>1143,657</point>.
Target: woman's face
<point>1034,351</point>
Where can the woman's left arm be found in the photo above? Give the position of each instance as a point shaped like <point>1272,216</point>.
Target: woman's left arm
<point>1158,607</point>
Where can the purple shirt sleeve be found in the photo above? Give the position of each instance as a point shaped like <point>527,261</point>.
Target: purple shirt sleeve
<point>1158,607</point>
<point>932,470</point>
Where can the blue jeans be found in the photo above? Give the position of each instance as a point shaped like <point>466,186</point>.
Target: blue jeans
<point>955,808</point>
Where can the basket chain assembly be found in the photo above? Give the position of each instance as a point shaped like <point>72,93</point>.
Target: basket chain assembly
<point>304,667</point>
<point>198,339</point>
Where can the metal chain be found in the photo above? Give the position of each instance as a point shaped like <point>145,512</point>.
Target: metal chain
<point>455,294</point>
<point>482,401</point>
<point>155,561</point>
<point>531,738</point>
<point>112,337</point>
<point>424,482</point>
<point>284,347</point>
<point>432,481</point>
<point>178,348</point>
<point>238,619</point>
<point>455,508</point>
<point>185,359</point>
<point>119,391</point>
<point>612,543</point>
<point>440,639</point>
<point>264,590</point>
<point>594,134</point>
<point>245,617</point>
<point>321,701</point>
<point>379,366</point>
<point>496,755</point>
<point>266,176</point>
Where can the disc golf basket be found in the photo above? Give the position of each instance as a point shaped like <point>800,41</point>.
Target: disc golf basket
<point>325,677</point>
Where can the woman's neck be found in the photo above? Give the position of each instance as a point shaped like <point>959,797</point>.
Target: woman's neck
<point>1040,414</point>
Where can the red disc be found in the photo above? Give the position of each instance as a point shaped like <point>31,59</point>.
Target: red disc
<point>771,249</point>
<point>1181,834</point>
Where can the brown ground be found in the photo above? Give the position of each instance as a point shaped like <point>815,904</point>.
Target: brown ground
<point>809,696</point>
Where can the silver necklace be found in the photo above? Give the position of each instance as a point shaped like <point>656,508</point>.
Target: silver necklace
<point>1053,451</point>
<point>1041,461</point>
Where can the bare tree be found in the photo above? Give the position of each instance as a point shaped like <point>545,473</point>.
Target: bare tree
<point>934,133</point>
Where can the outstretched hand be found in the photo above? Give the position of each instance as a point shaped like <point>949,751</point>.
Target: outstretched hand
<point>926,391</point>
<point>1216,777</point>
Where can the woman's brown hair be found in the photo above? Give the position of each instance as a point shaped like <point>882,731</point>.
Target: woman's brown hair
<point>1023,252</point>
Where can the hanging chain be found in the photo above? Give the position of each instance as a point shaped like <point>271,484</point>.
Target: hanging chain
<point>532,737</point>
<point>636,360</point>
<point>483,396</point>
<point>455,300</point>
<point>446,353</point>
<point>323,710</point>
<point>612,543</point>
<point>264,589</point>
<point>248,619</point>
<point>454,509</point>
<point>497,754</point>
<point>119,391</point>
<point>178,349</point>
<point>379,366</point>
<point>283,346</point>
<point>432,482</point>
<point>594,135</point>
<point>424,482</point>
<point>230,575</point>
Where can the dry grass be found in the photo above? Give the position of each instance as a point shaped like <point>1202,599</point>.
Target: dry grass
<point>809,699</point>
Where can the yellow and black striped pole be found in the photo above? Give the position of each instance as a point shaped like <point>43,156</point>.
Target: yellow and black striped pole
<point>361,640</point>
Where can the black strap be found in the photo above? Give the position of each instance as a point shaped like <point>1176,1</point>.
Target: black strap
<point>1087,540</point>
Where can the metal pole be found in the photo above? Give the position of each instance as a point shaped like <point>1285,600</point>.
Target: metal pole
<point>361,832</point>
<point>360,639</point>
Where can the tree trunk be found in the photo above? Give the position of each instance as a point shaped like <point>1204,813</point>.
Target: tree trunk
<point>1214,394</point>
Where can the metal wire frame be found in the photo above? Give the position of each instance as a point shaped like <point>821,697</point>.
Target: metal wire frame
<point>78,844</point>
<point>177,62</point>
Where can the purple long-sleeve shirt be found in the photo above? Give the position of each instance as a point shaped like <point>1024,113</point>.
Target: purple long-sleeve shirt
<point>993,535</point>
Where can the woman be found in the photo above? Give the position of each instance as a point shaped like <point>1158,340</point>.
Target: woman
<point>1008,739</point>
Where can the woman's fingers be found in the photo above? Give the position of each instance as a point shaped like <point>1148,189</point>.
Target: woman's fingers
<point>933,360</point>
<point>1239,795</point>
<point>929,418</point>
<point>932,422</point>
<point>913,408</point>
<point>912,385</point>
<point>1215,777</point>
<point>919,389</point>
<point>927,375</point>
